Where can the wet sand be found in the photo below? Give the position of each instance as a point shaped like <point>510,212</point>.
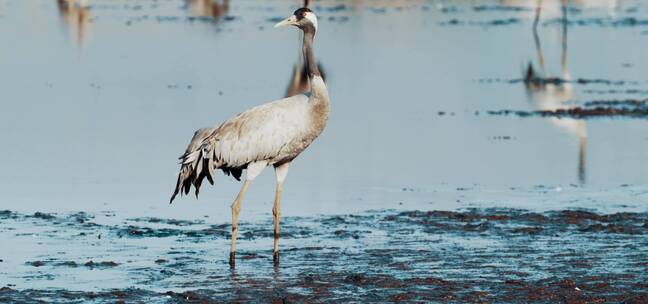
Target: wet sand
<point>474,255</point>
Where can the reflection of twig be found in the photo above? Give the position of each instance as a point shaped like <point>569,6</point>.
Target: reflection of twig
<point>537,14</point>
<point>581,159</point>
<point>582,143</point>
<point>537,38</point>
<point>563,60</point>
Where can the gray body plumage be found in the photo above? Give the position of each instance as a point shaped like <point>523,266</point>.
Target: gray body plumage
<point>275,132</point>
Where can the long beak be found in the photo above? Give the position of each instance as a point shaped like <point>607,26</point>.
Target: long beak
<point>292,20</point>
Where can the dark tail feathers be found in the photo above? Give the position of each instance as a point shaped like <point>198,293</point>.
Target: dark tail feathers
<point>197,163</point>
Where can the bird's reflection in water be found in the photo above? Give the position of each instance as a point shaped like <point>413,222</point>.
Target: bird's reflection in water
<point>208,8</point>
<point>76,16</point>
<point>299,82</point>
<point>552,9</point>
<point>550,93</point>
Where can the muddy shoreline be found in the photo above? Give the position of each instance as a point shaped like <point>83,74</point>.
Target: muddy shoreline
<point>473,255</point>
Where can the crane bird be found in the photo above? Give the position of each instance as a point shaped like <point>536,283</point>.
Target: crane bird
<point>274,134</point>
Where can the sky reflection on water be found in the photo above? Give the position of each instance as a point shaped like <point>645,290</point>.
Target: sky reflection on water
<point>96,113</point>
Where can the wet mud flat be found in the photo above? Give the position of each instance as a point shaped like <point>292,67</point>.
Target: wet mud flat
<point>471,255</point>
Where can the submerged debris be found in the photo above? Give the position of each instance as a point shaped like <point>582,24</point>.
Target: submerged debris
<point>629,108</point>
<point>486,23</point>
<point>628,21</point>
<point>104,264</point>
<point>500,8</point>
<point>559,81</point>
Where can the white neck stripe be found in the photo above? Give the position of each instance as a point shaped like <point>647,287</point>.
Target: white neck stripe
<point>313,19</point>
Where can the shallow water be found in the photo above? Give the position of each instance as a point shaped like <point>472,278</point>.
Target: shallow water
<point>477,255</point>
<point>99,102</point>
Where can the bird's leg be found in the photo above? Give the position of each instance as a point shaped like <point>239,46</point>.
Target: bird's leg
<point>253,170</point>
<point>281,172</point>
<point>276,212</point>
<point>236,208</point>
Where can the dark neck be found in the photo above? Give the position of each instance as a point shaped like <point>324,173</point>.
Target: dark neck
<point>309,56</point>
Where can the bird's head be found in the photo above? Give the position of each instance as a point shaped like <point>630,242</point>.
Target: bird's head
<point>302,18</point>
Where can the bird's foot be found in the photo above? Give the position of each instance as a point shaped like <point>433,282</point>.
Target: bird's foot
<point>275,258</point>
<point>232,260</point>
